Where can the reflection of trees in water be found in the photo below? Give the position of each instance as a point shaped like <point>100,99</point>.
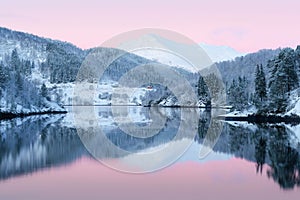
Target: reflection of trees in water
<point>204,121</point>
<point>284,159</point>
<point>260,137</point>
<point>260,154</point>
<point>264,144</point>
<point>41,142</point>
<point>208,127</point>
<point>214,131</point>
<point>115,142</point>
<point>34,143</point>
<point>209,131</point>
<point>239,139</point>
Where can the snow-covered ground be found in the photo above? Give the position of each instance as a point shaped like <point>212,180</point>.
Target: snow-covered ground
<point>294,103</point>
<point>46,106</point>
<point>296,109</point>
<point>293,107</point>
<point>243,113</point>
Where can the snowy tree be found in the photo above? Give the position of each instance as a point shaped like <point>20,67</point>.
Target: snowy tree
<point>15,62</point>
<point>215,86</point>
<point>203,92</point>
<point>27,70</point>
<point>44,91</point>
<point>3,75</point>
<point>60,64</point>
<point>260,84</point>
<point>237,94</point>
<point>16,89</point>
<point>246,66</point>
<point>231,93</point>
<point>283,79</point>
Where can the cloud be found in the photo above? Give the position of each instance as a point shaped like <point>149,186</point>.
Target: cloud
<point>236,33</point>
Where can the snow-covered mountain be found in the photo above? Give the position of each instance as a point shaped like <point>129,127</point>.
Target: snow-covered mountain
<point>56,64</point>
<point>220,53</point>
<point>29,46</point>
<point>182,54</point>
<point>173,53</point>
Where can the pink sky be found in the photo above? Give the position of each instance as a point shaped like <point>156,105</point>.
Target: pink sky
<point>244,25</point>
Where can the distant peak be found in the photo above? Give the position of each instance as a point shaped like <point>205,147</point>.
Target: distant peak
<point>219,53</point>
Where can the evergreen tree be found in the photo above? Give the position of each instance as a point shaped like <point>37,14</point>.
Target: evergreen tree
<point>27,68</point>
<point>15,62</point>
<point>19,82</point>
<point>260,83</point>
<point>283,79</point>
<point>242,98</point>
<point>257,79</point>
<point>214,85</point>
<point>17,91</point>
<point>237,94</point>
<point>231,94</point>
<point>62,66</point>
<point>3,75</point>
<point>263,84</point>
<point>44,91</point>
<point>203,91</point>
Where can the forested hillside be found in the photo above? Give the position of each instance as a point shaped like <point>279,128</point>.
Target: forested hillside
<point>18,94</point>
<point>267,81</point>
<point>38,74</point>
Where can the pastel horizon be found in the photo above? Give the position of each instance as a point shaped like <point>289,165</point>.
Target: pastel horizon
<point>245,26</point>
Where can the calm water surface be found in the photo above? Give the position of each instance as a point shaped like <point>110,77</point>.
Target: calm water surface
<point>45,157</point>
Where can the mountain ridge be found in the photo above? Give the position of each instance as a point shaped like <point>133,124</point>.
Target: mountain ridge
<point>56,64</point>
<point>40,39</point>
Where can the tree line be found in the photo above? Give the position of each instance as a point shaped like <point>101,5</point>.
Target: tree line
<point>17,92</point>
<point>273,85</point>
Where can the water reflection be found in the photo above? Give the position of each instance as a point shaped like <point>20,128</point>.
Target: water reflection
<point>285,166</point>
<point>35,143</point>
<point>158,145</point>
<point>271,145</point>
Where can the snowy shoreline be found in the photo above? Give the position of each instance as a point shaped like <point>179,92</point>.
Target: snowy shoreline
<point>8,115</point>
<point>254,118</point>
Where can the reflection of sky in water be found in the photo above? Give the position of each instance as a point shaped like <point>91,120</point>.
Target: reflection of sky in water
<point>42,157</point>
<point>87,179</point>
<point>193,154</point>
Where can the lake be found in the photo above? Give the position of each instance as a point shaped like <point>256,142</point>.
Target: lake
<point>146,153</point>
